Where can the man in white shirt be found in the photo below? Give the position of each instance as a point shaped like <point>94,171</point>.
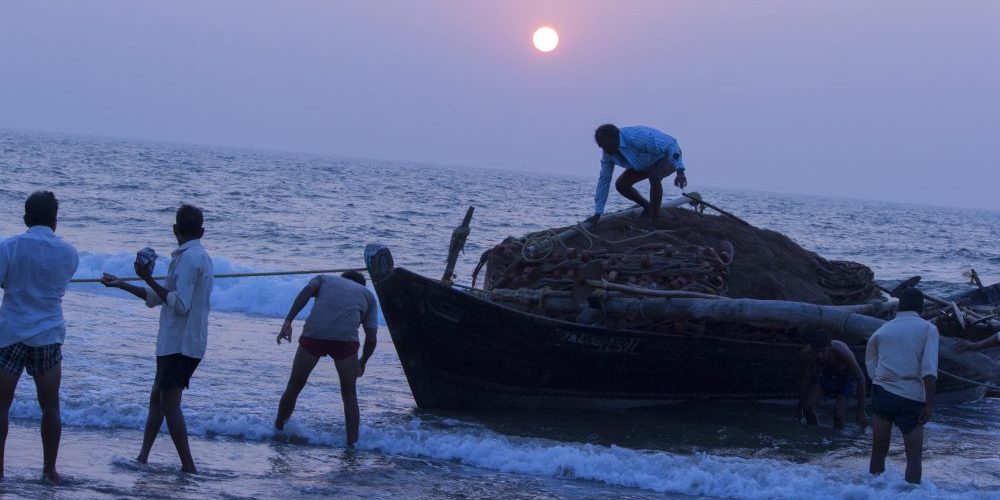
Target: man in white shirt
<point>183,333</point>
<point>902,360</point>
<point>35,268</point>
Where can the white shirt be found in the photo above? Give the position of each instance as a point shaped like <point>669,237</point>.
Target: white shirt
<point>35,268</point>
<point>184,318</point>
<point>901,353</point>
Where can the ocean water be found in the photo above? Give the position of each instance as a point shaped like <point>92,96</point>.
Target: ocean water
<point>281,211</point>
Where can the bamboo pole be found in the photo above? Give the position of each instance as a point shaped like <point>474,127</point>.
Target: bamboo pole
<point>635,290</point>
<point>843,322</point>
<point>846,322</point>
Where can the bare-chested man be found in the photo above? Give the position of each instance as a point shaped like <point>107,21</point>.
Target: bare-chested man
<point>830,370</point>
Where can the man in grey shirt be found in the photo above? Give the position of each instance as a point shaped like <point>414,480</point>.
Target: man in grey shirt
<point>35,268</point>
<point>342,304</point>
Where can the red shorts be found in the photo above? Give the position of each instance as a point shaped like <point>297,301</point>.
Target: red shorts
<point>336,349</point>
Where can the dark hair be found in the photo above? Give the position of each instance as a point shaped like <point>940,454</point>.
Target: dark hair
<point>911,299</point>
<point>606,134</point>
<point>354,276</point>
<point>189,220</point>
<point>41,209</point>
<point>819,340</point>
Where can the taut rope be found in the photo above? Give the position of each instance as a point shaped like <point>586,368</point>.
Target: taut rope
<point>234,275</point>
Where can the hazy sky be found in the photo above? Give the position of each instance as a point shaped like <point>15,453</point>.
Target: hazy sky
<point>890,99</point>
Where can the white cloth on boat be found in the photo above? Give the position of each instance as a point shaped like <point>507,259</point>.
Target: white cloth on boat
<point>901,353</point>
<point>35,268</point>
<point>184,317</point>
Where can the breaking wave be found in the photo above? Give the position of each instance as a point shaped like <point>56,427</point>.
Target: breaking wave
<point>695,474</point>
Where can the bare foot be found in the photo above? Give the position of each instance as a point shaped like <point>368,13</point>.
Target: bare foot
<point>51,477</point>
<point>279,424</point>
<point>189,469</point>
<point>143,458</point>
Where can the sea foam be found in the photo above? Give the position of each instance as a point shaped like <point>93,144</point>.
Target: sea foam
<point>664,472</point>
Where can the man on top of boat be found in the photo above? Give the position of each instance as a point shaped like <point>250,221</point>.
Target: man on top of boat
<point>902,361</point>
<point>645,153</point>
<point>342,305</point>
<point>829,369</point>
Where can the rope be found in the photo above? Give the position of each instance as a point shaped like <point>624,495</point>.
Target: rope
<point>969,381</point>
<point>233,275</point>
<point>657,232</point>
<point>536,243</point>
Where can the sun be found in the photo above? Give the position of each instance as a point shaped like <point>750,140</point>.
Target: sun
<point>545,39</point>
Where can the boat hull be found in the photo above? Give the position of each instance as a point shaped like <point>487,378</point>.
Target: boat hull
<point>462,352</point>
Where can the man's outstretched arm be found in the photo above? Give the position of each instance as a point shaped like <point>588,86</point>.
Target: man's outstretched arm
<point>859,378</point>
<point>370,324</point>
<point>965,345</point>
<point>112,281</point>
<point>307,292</point>
<point>603,187</point>
<point>371,339</point>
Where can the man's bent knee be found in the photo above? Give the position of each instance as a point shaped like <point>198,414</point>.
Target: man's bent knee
<point>629,178</point>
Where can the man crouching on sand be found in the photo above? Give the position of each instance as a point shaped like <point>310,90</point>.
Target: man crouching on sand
<point>342,305</point>
<point>183,334</point>
<point>830,370</point>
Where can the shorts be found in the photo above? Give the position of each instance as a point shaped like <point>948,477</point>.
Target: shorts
<point>837,384</point>
<point>336,349</point>
<point>672,159</point>
<point>897,409</point>
<point>174,370</point>
<point>38,360</point>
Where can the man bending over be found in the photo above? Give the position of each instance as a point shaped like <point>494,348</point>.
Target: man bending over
<point>342,304</point>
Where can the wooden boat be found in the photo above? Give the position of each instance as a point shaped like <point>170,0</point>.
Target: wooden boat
<point>460,350</point>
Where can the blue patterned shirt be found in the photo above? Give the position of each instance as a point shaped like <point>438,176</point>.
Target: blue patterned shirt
<point>638,149</point>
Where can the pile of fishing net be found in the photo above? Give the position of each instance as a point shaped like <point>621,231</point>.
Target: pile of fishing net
<point>687,251</point>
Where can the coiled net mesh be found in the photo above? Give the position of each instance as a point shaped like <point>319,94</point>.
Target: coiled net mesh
<point>688,251</point>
